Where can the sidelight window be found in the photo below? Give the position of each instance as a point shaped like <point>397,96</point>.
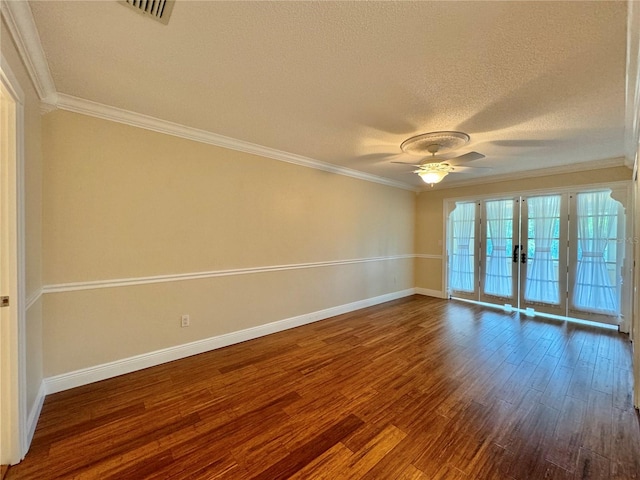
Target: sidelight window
<point>462,267</point>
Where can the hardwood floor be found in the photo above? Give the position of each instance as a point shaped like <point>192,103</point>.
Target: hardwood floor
<point>419,388</point>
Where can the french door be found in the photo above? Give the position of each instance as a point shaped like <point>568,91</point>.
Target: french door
<point>530,253</point>
<point>498,239</point>
<point>596,257</point>
<point>543,256</point>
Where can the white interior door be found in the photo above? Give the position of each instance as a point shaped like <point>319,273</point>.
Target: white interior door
<point>543,258</point>
<point>5,398</point>
<point>12,396</point>
<point>8,384</point>
<point>499,251</point>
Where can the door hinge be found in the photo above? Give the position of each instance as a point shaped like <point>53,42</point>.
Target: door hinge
<point>4,301</point>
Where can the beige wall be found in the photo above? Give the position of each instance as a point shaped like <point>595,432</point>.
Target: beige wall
<point>33,214</point>
<point>429,212</point>
<point>122,202</point>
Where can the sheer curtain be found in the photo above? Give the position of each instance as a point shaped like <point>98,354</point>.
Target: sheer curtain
<point>498,279</point>
<point>461,272</point>
<point>594,289</point>
<point>542,273</point>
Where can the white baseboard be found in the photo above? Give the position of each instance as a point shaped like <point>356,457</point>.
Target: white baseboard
<point>34,413</point>
<point>88,375</point>
<point>430,293</point>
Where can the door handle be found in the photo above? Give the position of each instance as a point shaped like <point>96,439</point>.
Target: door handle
<point>523,257</point>
<point>515,253</point>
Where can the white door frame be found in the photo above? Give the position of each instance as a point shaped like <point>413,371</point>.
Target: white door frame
<point>621,190</point>
<point>17,344</point>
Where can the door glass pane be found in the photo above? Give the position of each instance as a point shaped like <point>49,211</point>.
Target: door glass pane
<point>543,250</point>
<point>462,265</point>
<point>595,288</point>
<point>499,242</point>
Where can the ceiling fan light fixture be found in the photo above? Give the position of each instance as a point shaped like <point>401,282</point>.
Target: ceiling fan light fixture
<point>433,169</point>
<point>431,173</point>
<point>432,176</point>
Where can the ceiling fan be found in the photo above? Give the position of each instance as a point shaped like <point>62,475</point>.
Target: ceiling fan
<point>434,168</point>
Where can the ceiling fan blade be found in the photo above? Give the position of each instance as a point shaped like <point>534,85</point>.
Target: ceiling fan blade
<point>527,143</point>
<point>374,156</point>
<point>406,163</point>
<point>467,157</point>
<point>461,169</point>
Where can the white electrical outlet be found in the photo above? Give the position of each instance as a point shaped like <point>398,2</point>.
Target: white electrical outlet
<point>184,321</point>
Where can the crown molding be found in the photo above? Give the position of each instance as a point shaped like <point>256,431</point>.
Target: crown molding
<point>127,117</point>
<point>19,20</point>
<point>541,172</point>
<point>23,29</point>
<point>50,106</point>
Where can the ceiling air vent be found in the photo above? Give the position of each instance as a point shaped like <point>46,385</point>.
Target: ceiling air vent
<point>157,9</point>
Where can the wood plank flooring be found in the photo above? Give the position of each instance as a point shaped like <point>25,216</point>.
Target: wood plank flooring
<point>419,388</point>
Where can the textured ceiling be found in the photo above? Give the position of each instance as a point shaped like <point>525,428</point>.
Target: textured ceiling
<point>535,84</point>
